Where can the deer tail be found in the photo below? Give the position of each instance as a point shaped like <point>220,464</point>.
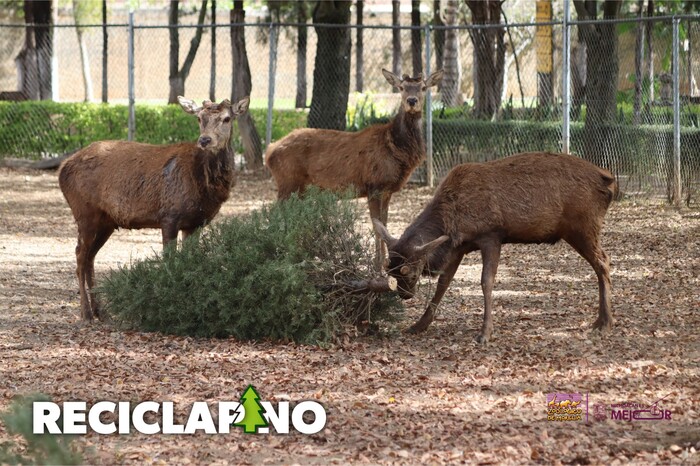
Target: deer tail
<point>612,188</point>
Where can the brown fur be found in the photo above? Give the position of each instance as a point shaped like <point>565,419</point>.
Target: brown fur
<point>525,198</point>
<point>375,162</point>
<point>120,184</point>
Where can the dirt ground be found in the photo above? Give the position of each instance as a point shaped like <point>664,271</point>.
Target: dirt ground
<point>437,397</point>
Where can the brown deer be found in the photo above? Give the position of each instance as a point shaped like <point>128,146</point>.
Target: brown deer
<point>176,187</point>
<point>375,162</point>
<point>526,198</point>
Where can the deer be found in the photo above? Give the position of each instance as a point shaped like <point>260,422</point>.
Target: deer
<point>374,163</point>
<point>533,197</point>
<point>175,187</point>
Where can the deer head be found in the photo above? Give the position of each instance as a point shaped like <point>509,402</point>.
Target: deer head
<point>412,89</point>
<point>406,261</point>
<point>215,121</point>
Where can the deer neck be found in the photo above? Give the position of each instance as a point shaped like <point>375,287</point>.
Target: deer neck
<point>215,169</point>
<point>407,132</point>
<point>428,226</point>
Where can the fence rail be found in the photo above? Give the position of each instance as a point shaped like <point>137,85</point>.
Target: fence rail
<point>651,143</point>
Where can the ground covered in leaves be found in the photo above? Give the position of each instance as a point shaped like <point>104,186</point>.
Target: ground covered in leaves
<point>437,397</point>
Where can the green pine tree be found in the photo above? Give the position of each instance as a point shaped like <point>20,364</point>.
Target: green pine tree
<point>253,418</point>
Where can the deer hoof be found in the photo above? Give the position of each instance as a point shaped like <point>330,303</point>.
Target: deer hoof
<point>603,325</point>
<point>482,339</point>
<point>418,327</point>
<point>86,315</point>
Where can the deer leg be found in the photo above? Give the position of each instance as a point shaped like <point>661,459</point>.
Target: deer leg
<point>384,208</point>
<point>286,189</point>
<point>375,211</point>
<point>101,238</point>
<point>383,217</point>
<point>443,283</point>
<point>187,233</point>
<point>169,231</point>
<point>589,248</point>
<point>490,254</point>
<point>80,256</point>
<point>86,239</point>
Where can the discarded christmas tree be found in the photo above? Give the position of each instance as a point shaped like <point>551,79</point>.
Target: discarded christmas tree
<point>298,270</point>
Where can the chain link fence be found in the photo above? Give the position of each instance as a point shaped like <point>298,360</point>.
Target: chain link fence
<point>632,133</point>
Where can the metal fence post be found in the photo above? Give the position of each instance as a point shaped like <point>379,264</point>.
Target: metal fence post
<point>566,81</point>
<point>430,174</point>
<point>132,114</point>
<point>676,191</point>
<point>271,82</point>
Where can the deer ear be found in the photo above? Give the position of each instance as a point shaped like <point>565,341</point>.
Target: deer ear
<point>241,106</point>
<point>188,105</point>
<point>431,246</point>
<point>382,231</point>
<point>434,78</point>
<point>392,78</point>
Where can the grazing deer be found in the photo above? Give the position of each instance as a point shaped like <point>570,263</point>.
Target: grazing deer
<point>375,162</point>
<point>526,198</point>
<point>176,187</point>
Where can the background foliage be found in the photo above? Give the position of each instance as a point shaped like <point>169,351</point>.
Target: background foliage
<point>35,128</point>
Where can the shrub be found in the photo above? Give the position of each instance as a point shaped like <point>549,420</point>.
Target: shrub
<point>277,274</point>
<point>38,448</point>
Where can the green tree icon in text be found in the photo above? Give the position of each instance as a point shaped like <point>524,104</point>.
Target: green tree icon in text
<point>253,418</point>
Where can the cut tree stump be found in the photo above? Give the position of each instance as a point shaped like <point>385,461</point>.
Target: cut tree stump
<point>374,285</point>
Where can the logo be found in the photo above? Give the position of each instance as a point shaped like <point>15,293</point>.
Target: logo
<point>632,411</point>
<point>253,412</point>
<point>151,417</point>
<point>600,412</point>
<point>567,407</point>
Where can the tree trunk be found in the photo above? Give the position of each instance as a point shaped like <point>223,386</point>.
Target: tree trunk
<point>85,62</point>
<point>212,72</point>
<point>177,76</point>
<point>242,87</point>
<point>302,38</point>
<point>439,35</point>
<point>177,87</point>
<point>602,67</point>
<point>416,46</point>
<point>329,101</point>
<point>26,59</point>
<point>396,38</point>
<point>545,48</point>
<point>452,80</point>
<point>692,84</point>
<point>174,62</point>
<point>84,57</point>
<point>43,35</point>
<point>34,60</point>
<point>578,76</point>
<point>489,57</point>
<point>650,53</point>
<point>525,43</point>
<point>359,48</point>
<point>638,58</point>
<point>105,54</point>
